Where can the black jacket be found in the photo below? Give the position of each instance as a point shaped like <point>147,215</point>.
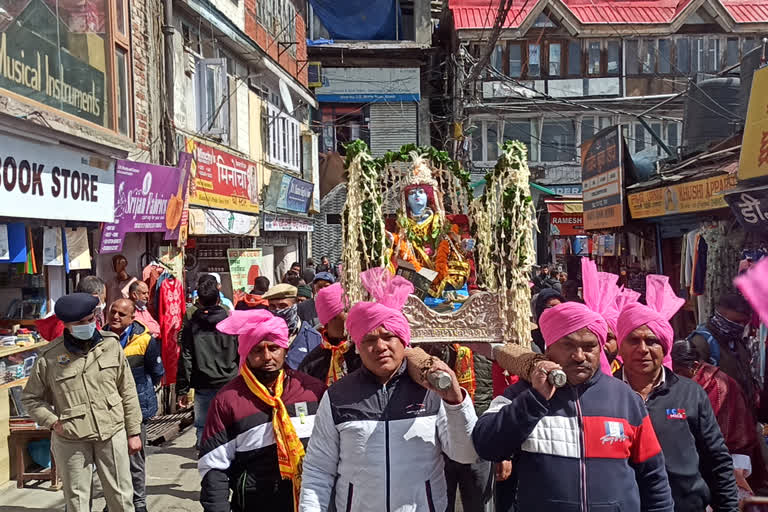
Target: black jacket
<point>483,372</point>
<point>317,363</point>
<point>208,358</point>
<point>699,466</point>
<point>308,313</point>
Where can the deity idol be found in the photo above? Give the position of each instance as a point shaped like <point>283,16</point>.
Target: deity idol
<point>425,239</point>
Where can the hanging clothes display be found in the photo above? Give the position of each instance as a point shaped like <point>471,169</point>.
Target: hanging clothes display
<point>171,309</point>
<point>723,256</point>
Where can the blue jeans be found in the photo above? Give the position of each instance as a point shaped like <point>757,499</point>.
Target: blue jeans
<point>203,398</point>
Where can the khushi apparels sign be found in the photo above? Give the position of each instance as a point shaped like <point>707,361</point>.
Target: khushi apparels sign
<point>222,180</point>
<point>149,198</point>
<point>603,180</point>
<point>690,197</point>
<point>45,181</point>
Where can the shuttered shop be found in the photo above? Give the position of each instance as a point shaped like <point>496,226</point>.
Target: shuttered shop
<point>392,125</point>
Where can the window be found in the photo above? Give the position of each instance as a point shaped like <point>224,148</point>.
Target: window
<point>713,55</point>
<point>649,57</point>
<point>554,59</point>
<point>672,136</point>
<point>633,57</point>
<point>593,53</point>
<point>587,128</point>
<point>665,56</point>
<point>574,58</point>
<point>656,129</point>
<point>558,140</point>
<point>683,55</point>
<point>732,51</point>
<point>212,97</point>
<point>534,60</point>
<point>497,58</point>
<point>284,145</point>
<point>492,138</point>
<point>614,67</point>
<point>477,142</point>
<point>699,55</point>
<point>639,137</point>
<point>515,60</point>
<point>70,57</point>
<point>332,218</point>
<point>519,129</point>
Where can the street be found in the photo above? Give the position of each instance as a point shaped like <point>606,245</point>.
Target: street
<point>173,483</point>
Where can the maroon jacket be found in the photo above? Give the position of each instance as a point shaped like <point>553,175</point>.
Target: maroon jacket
<point>238,449</point>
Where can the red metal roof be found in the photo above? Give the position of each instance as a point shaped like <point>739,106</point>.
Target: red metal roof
<point>625,11</point>
<point>468,14</point>
<point>747,11</point>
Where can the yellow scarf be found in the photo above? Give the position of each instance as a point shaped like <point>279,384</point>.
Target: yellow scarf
<point>465,369</point>
<point>290,451</point>
<point>337,368</point>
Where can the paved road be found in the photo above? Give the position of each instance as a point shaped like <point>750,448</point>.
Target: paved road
<point>173,484</point>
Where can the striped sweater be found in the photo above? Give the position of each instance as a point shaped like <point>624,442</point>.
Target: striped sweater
<point>589,448</point>
<point>238,449</point>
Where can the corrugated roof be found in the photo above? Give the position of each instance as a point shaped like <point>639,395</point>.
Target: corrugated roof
<point>468,14</point>
<point>747,11</point>
<point>625,11</point>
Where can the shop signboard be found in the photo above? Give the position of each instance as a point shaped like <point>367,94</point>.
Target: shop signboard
<point>753,161</point>
<point>203,221</point>
<point>48,181</point>
<point>285,223</point>
<point>149,198</point>
<point>750,207</point>
<point>365,85</point>
<point>694,196</point>
<point>222,180</point>
<point>33,66</point>
<point>566,224</point>
<point>244,264</point>
<point>288,193</point>
<point>603,180</point>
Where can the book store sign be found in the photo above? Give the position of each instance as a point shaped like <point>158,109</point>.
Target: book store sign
<point>36,69</point>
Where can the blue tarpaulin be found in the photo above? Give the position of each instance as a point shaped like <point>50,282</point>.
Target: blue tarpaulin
<point>360,20</point>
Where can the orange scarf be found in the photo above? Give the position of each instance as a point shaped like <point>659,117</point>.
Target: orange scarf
<point>290,451</point>
<point>465,369</point>
<point>338,367</point>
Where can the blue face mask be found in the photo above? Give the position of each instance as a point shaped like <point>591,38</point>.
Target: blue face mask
<point>83,332</point>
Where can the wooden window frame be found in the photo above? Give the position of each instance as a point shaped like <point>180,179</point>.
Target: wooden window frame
<point>563,58</point>
<point>116,41</point>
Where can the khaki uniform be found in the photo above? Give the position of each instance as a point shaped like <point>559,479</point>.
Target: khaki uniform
<point>94,397</point>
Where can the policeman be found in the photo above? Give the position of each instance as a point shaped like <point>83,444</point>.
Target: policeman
<point>82,389</point>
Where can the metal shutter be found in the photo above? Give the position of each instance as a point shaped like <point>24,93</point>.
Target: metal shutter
<point>392,125</point>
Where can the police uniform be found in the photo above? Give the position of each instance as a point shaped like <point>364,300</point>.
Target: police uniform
<point>89,388</point>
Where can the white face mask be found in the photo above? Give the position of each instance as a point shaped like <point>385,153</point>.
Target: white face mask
<point>83,332</point>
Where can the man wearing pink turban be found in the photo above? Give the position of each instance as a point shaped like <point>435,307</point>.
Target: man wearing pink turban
<point>594,427</point>
<point>335,357</point>
<point>698,464</point>
<point>380,436</point>
<point>258,424</point>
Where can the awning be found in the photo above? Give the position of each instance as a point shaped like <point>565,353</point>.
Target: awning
<point>564,205</point>
<point>481,183</point>
<point>206,221</point>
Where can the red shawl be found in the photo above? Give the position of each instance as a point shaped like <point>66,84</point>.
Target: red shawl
<point>734,418</point>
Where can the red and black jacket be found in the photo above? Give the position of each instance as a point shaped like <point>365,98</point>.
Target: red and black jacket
<point>590,448</point>
<point>238,449</point>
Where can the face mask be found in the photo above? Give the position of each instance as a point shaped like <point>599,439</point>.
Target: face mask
<point>83,332</point>
<point>141,304</point>
<point>727,327</point>
<point>291,317</point>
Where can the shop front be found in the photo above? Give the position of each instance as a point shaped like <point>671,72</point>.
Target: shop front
<point>223,214</point>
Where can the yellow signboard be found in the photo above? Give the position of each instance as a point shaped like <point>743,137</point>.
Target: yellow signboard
<point>754,145</point>
<point>694,196</point>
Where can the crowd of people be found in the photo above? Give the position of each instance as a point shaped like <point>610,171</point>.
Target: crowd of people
<point>303,401</point>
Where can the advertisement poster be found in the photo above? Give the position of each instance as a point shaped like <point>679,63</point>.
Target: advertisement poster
<point>48,181</point>
<point>694,196</point>
<point>150,198</point>
<point>566,224</point>
<point>244,267</point>
<point>78,249</point>
<point>751,208</point>
<point>222,180</point>
<point>288,193</point>
<point>603,180</point>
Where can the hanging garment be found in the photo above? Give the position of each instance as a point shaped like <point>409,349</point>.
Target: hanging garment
<point>171,309</point>
<point>699,277</point>
<point>150,275</point>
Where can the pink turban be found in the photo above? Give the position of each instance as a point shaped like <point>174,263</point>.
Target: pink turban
<point>754,286</point>
<point>252,327</point>
<point>600,292</point>
<point>329,302</point>
<point>390,293</point>
<point>560,321</point>
<point>663,303</point>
